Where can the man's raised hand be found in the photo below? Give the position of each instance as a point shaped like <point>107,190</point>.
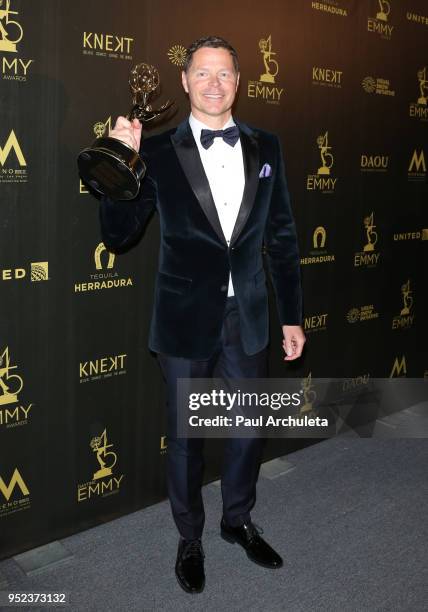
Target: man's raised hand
<point>127,131</point>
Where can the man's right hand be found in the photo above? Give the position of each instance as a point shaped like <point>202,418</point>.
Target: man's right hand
<point>128,132</point>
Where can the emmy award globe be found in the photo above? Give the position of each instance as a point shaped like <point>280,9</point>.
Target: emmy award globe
<point>111,167</point>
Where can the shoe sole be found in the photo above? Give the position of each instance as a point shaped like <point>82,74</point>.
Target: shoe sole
<point>233,540</point>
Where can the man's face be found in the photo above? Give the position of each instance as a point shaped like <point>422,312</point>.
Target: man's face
<point>211,83</point>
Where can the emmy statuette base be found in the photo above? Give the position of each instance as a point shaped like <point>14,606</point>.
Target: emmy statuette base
<point>112,168</point>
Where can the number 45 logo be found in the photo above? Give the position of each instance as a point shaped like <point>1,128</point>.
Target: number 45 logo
<point>11,31</point>
<point>10,384</point>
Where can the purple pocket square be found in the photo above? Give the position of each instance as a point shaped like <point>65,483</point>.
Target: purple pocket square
<point>265,171</point>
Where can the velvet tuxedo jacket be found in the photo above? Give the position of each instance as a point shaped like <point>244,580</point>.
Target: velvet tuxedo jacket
<point>194,257</point>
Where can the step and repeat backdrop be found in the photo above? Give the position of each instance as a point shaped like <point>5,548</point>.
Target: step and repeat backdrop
<point>345,85</point>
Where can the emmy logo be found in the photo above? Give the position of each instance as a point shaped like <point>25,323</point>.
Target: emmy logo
<point>10,384</point>
<point>371,235</point>
<point>100,128</point>
<point>407,298</point>
<point>99,445</point>
<point>11,32</point>
<point>326,157</point>
<point>271,65</point>
<point>308,394</point>
<point>97,256</point>
<point>385,9</point>
<point>423,85</point>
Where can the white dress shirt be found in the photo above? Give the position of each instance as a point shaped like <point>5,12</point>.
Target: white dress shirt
<point>224,168</point>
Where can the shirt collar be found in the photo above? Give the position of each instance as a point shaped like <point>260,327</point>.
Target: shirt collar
<point>197,126</point>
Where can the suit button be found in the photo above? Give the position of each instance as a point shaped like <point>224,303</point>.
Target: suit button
<point>223,288</point>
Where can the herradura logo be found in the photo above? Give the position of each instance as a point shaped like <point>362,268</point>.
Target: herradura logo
<point>11,33</point>
<point>319,253</point>
<point>267,87</point>
<point>105,276</point>
<point>97,257</point>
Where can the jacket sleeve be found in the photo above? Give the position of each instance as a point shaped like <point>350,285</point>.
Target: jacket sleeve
<point>122,222</point>
<point>282,250</point>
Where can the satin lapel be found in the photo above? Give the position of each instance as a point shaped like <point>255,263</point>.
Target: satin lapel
<point>188,156</point>
<point>250,152</point>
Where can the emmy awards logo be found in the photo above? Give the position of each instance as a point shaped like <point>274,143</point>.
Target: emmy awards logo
<point>11,32</point>
<point>326,157</point>
<point>101,128</point>
<point>271,65</point>
<point>423,85</point>
<point>384,11</point>
<point>97,256</point>
<point>371,235</point>
<point>10,384</point>
<point>309,395</point>
<point>407,298</point>
<point>99,445</point>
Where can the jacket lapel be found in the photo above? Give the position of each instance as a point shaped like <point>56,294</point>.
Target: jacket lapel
<point>188,155</point>
<point>250,152</point>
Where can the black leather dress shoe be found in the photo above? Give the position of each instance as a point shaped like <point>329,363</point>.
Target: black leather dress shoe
<point>189,567</point>
<point>247,535</point>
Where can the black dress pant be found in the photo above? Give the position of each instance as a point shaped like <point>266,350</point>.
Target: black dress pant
<point>242,456</point>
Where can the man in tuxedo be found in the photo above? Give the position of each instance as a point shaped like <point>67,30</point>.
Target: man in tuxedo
<point>220,190</point>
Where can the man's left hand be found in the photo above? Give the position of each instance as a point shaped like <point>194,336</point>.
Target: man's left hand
<point>294,339</point>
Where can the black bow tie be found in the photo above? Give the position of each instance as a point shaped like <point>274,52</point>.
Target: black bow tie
<point>229,135</point>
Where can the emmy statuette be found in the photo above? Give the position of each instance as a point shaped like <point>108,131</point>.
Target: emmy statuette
<point>110,166</point>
